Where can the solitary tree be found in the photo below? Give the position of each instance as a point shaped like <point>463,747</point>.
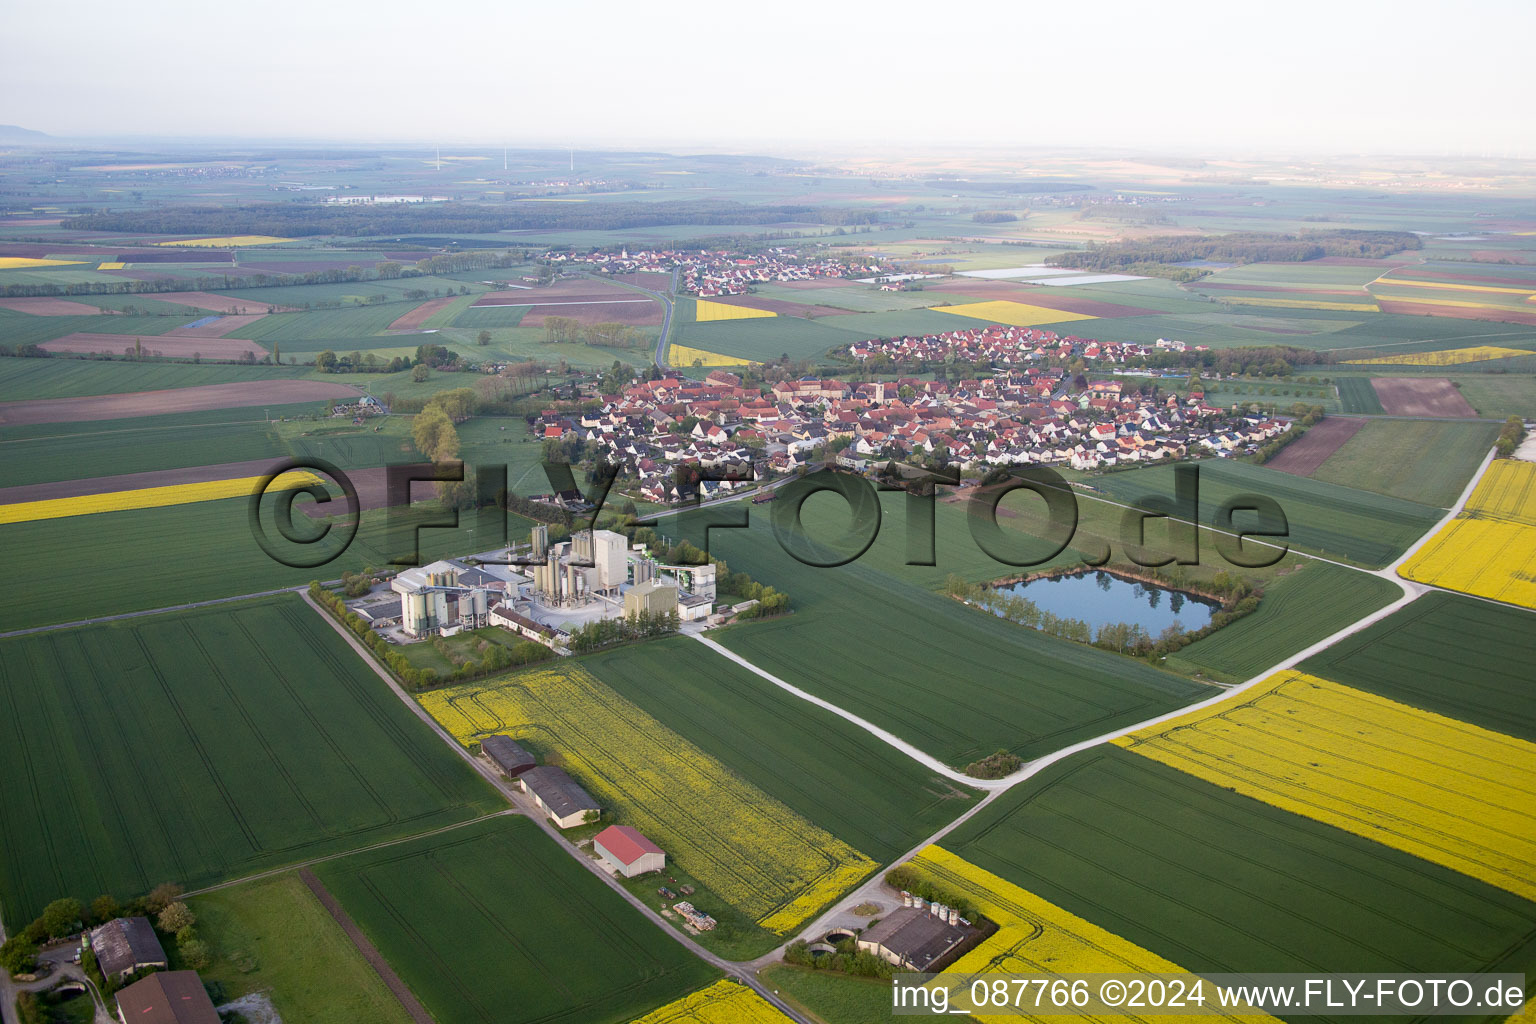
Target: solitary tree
<point>175,917</point>
<point>484,337</point>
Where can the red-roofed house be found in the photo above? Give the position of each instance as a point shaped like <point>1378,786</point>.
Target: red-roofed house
<point>628,851</point>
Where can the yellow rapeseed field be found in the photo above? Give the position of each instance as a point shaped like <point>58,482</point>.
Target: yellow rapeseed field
<point>682,355</point>
<point>110,266</point>
<point>1507,491</point>
<point>1486,557</point>
<point>227,241</point>
<point>1446,356</point>
<point>1366,304</point>
<point>724,1002</point>
<point>748,848</point>
<point>707,311</point>
<point>1034,936</point>
<point>1490,549</point>
<point>143,497</point>
<point>22,262</point>
<point>1442,790</point>
<point>1015,314</point>
<point>1398,282</point>
<point>1419,300</point>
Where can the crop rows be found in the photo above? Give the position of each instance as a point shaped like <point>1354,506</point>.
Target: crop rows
<point>751,850</point>
<point>1446,791</point>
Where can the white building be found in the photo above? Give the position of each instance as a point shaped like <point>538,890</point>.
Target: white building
<point>627,851</point>
<point>609,552</point>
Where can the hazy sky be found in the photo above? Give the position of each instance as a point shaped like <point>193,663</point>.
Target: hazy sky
<point>1333,76</point>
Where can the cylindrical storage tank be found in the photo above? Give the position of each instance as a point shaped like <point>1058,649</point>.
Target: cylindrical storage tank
<point>954,916</point>
<point>481,603</point>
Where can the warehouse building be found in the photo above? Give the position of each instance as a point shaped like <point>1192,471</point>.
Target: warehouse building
<point>558,795</point>
<point>915,938</point>
<point>507,754</point>
<point>627,851</point>
<point>170,997</point>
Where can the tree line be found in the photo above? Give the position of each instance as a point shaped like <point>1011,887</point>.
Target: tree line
<point>494,657</point>
<point>307,219</point>
<point>1238,247</point>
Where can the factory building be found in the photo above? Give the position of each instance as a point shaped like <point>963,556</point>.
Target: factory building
<point>653,597</point>
<point>592,562</point>
<point>440,598</point>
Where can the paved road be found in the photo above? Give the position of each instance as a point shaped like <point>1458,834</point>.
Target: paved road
<point>741,972</point>
<point>874,888</point>
<point>666,302</point>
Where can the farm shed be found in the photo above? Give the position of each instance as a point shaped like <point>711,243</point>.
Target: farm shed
<point>628,851</point>
<point>508,754</point>
<point>912,938</point>
<point>126,945</point>
<point>170,997</point>
<point>558,795</point>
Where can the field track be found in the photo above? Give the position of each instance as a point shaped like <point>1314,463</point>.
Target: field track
<point>171,400</point>
<point>1422,396</point>
<point>209,348</point>
<point>1302,457</point>
<point>370,952</point>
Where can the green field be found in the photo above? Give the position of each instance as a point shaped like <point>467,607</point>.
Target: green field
<point>1323,518</point>
<point>496,924</point>
<point>1311,602</point>
<point>1499,395</point>
<point>193,552</point>
<point>273,936</point>
<point>862,326</point>
<point>763,339</point>
<point>18,329</point>
<point>1426,461</point>
<point>1456,656</point>
<point>833,998</point>
<point>313,330</point>
<point>202,746</point>
<point>74,378</point>
<point>1216,882</point>
<point>862,790</point>
<point>491,316</point>
<point>957,682</point>
<point>1358,396</point>
<point>127,449</point>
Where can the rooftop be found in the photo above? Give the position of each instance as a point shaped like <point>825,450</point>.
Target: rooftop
<point>560,793</point>
<point>507,752</point>
<point>125,943</point>
<point>625,843</point>
<point>916,936</point>
<point>170,997</point>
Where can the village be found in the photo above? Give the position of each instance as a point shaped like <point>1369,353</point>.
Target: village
<point>707,273</point>
<point>1021,415</point>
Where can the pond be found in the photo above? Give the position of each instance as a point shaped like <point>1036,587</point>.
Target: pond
<point>1101,598</point>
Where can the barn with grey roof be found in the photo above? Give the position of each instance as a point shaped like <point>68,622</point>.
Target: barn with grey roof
<point>558,795</point>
